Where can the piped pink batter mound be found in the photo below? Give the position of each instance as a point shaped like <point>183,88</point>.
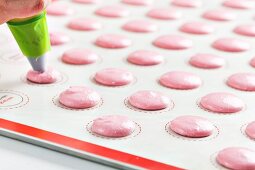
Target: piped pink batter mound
<point>140,26</point>
<point>79,97</point>
<point>59,9</point>
<point>222,103</point>
<point>164,14</point>
<point>192,126</point>
<point>113,126</point>
<point>207,61</point>
<point>197,28</point>
<point>138,2</point>
<point>114,77</point>
<point>85,1</point>
<point>145,58</point>
<point>252,62</point>
<point>219,15</point>
<point>113,11</point>
<point>180,80</point>
<point>113,41</point>
<point>84,24</point>
<point>231,45</point>
<point>57,38</point>
<point>173,42</point>
<point>187,3</point>
<point>79,56</point>
<point>149,100</point>
<point>242,81</point>
<point>250,130</point>
<point>237,158</point>
<point>47,77</point>
<point>239,4</point>
<point>247,30</point>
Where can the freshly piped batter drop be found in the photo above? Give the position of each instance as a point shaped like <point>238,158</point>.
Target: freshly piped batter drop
<point>197,28</point>
<point>207,61</point>
<point>85,1</point>
<point>113,11</point>
<point>252,62</point>
<point>142,26</point>
<point>250,130</point>
<point>242,81</point>
<point>237,158</point>
<point>239,4</point>
<point>59,9</point>
<point>150,100</point>
<point>231,45</point>
<point>79,57</point>
<point>47,77</point>
<point>58,38</point>
<point>222,103</point>
<point>187,3</point>
<point>138,2</point>
<point>84,24</point>
<point>164,14</point>
<point>79,97</point>
<point>180,80</point>
<point>246,30</point>
<point>145,58</point>
<point>219,15</point>
<point>114,77</point>
<point>192,126</point>
<point>113,41</point>
<point>114,126</point>
<point>173,42</point>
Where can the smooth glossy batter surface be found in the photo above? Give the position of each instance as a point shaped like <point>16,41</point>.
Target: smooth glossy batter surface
<point>242,81</point>
<point>113,126</point>
<point>173,42</point>
<point>180,80</point>
<point>113,11</point>
<point>164,14</point>
<point>247,30</point>
<point>207,61</point>
<point>222,103</point>
<point>237,158</point>
<point>149,100</point>
<point>145,58</point>
<point>250,130</point>
<point>47,77</point>
<point>252,62</point>
<point>187,3</point>
<point>58,38</point>
<point>138,2</point>
<point>79,97</point>
<point>219,15</point>
<point>86,1</point>
<point>79,56</point>
<point>239,4</point>
<point>113,41</point>
<point>59,9</point>
<point>231,45</point>
<point>192,126</point>
<point>197,28</point>
<point>141,26</point>
<point>84,24</point>
<point>114,77</point>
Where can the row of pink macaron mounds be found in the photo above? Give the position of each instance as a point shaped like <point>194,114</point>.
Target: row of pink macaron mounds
<point>236,4</point>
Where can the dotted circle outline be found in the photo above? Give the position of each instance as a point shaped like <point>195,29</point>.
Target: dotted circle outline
<point>242,130</point>
<point>58,104</point>
<point>22,95</point>
<point>63,79</point>
<point>215,163</point>
<point>132,135</point>
<point>211,137</point>
<point>167,109</point>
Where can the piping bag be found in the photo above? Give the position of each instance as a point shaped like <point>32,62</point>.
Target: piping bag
<point>32,36</point>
